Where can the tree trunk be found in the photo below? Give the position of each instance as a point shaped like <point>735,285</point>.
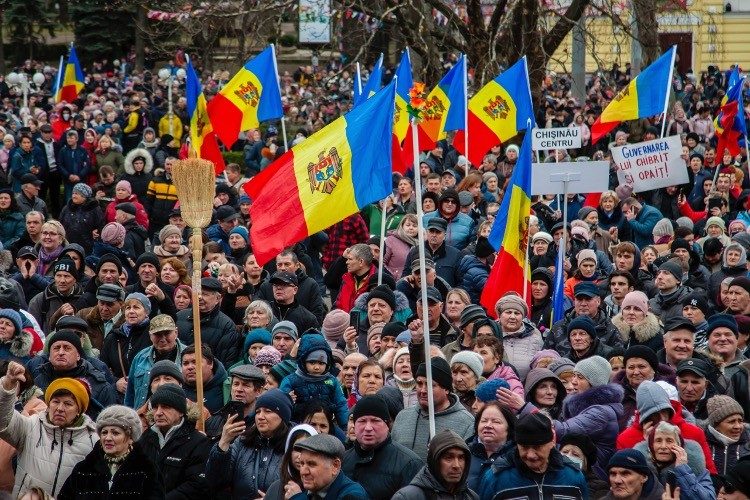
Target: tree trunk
<point>648,30</point>
<point>140,46</point>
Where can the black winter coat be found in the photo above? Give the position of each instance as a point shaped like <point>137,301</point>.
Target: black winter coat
<point>302,318</point>
<point>119,349</point>
<point>166,306</point>
<point>103,393</point>
<point>217,330</point>
<point>136,478</point>
<point>308,295</point>
<point>135,239</point>
<point>181,462</point>
<point>80,221</point>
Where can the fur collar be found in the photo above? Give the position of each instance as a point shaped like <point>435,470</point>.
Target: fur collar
<point>402,303</point>
<point>20,345</point>
<point>643,331</point>
<point>128,164</point>
<point>610,394</point>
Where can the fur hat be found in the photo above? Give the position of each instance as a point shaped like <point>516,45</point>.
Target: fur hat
<point>120,416</point>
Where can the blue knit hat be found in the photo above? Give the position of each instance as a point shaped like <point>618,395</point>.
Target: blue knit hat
<point>487,391</point>
<point>725,320</point>
<point>140,298</point>
<point>583,323</point>
<point>241,230</point>
<point>13,317</point>
<point>255,336</point>
<point>278,402</point>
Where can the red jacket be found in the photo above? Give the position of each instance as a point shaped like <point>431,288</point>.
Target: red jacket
<point>350,291</point>
<point>634,435</point>
<point>141,217</point>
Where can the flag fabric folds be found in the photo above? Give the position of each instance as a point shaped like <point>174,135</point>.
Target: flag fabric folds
<point>202,136</point>
<point>404,83</point>
<point>250,97</point>
<point>644,96</point>
<point>509,234</point>
<point>558,290</point>
<point>325,178</point>
<point>497,112</point>
<point>373,85</point>
<point>730,122</point>
<point>71,81</point>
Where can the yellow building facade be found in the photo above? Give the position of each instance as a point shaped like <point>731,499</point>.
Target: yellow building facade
<point>706,32</point>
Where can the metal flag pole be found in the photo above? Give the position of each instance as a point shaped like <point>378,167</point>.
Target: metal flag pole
<point>278,82</point>
<point>466,114</point>
<point>669,91</point>
<point>383,219</point>
<point>423,279</point>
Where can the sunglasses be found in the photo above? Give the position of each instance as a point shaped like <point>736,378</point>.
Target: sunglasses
<point>450,201</point>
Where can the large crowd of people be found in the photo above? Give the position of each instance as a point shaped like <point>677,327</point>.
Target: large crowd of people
<point>314,366</point>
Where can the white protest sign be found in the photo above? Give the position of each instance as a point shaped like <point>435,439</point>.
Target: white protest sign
<point>584,177</point>
<point>651,164</point>
<point>543,139</point>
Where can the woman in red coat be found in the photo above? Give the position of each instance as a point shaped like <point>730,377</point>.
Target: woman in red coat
<point>124,194</point>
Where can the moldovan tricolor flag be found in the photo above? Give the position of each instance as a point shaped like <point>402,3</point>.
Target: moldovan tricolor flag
<point>497,112</point>
<point>202,137</point>
<point>71,81</point>
<point>644,96</point>
<point>373,85</point>
<point>509,234</point>
<point>250,97</point>
<point>730,122</point>
<point>322,180</point>
<point>404,82</point>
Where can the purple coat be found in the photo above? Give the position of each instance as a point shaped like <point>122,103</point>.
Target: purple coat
<point>594,413</point>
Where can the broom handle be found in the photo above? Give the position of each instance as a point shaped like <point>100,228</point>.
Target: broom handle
<point>196,245</point>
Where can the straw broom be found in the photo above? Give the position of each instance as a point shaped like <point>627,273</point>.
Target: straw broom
<point>194,180</point>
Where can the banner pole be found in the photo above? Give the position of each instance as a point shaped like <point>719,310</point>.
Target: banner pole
<point>383,219</point>
<point>466,114</point>
<point>669,91</point>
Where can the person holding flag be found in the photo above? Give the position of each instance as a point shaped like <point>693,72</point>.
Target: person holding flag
<point>730,122</point>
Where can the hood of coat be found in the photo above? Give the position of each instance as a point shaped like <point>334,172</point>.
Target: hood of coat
<point>20,345</point>
<point>610,394</point>
<point>696,460</point>
<point>441,443</point>
<point>402,303</point>
<point>644,331</point>
<point>135,153</point>
<point>312,342</point>
<point>538,375</point>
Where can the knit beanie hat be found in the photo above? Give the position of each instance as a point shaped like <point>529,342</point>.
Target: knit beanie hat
<point>171,395</point>
<point>385,294</point>
<point>673,268</point>
<point>14,318</point>
<point>148,258</point>
<point>280,370</point>
<point>637,299</point>
<point>585,211</point>
<point>487,390</point>
<point>663,228</point>
<point>595,369</point>
<point>471,313</point>
<point>140,298</point>
<point>74,386</point>
<point>67,336</point>
<point>582,323</point>
<point>586,254</point>
<point>83,189</point>
<point>720,407</point>
<point>286,327</point>
<point>471,359</point>
<point>334,324</point>
<point>242,231</point>
<point>371,406</point>
<point>393,329</point>
<point>533,429</point>
<point>742,282</point>
<point>716,221</point>
<point>651,398</point>
<point>544,353</point>
<point>267,356</point>
<point>165,367</point>
<point>685,222</point>
<point>125,185</point>
<point>65,265</point>
<point>645,353</point>
<point>278,402</point>
<point>441,373</point>
<point>562,365</point>
<point>401,352</point>
<point>120,416</point>
<point>630,459</point>
<point>167,231</point>
<point>512,301</point>
<point>722,319</point>
<point>113,234</point>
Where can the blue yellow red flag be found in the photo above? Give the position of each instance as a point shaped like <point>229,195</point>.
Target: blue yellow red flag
<point>71,82</point>
<point>730,122</point>
<point>250,97</point>
<point>509,234</point>
<point>643,97</point>
<point>374,83</point>
<point>202,137</point>
<point>404,82</point>
<point>322,180</point>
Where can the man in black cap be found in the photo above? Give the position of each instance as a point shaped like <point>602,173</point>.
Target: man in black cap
<point>441,330</point>
<point>226,220</point>
<point>471,314</point>
<point>694,387</point>
<point>58,298</point>
<point>104,316</point>
<point>31,282</point>
<point>517,473</point>
<point>411,427</point>
<point>150,284</point>
<point>285,305</point>
<point>445,256</point>
<point>679,342</point>
<point>28,199</point>
<point>409,285</point>
<point>461,225</point>
<point>108,271</point>
<point>320,469</point>
<point>671,292</point>
<point>381,466</point>
<point>175,446</point>
<point>217,329</point>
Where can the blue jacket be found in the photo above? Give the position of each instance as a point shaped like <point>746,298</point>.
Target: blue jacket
<point>12,226</point>
<point>140,373</point>
<point>474,274</point>
<point>324,389</point>
<point>342,488</point>
<point>643,225</point>
<point>480,462</point>
<point>461,229</point>
<point>73,162</point>
<point>508,478</point>
<point>20,164</point>
<point>217,234</point>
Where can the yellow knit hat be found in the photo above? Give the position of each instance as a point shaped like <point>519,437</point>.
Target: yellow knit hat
<point>71,385</point>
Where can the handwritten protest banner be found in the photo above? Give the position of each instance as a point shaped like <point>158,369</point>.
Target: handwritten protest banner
<point>651,164</point>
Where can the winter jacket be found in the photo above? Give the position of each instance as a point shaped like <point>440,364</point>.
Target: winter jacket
<point>139,181</point>
<point>213,392</point>
<point>396,251</point>
<point>12,227</point>
<point>139,375</point>
<point>135,239</point>
<point>724,455</point>
<point>643,225</point>
<point>557,336</point>
<point>597,348</point>
<point>18,347</point>
<point>121,347</point>
<point>669,306</point>
<point>521,346</point>
<point>634,434</point>
<point>428,482</point>
<point>665,373</point>
<point>308,295</point>
<point>20,165</point>
<point>112,158</point>
<point>46,453</point>
<point>217,331</point>
<point>480,462</point>
<point>411,427</point>
<point>509,478</point>
<point>474,274</point>
<point>381,471</point>
<point>741,386</point>
<point>80,221</point>
<point>73,162</point>
<point>45,304</point>
<point>324,389</point>
<point>136,478</point>
<point>245,467</point>
<point>181,461</point>
<point>413,292</point>
<point>103,393</point>
<point>341,488</point>
<point>26,204</point>
<point>460,230</point>
<point>161,197</point>
<point>693,479</point>
<point>141,217</point>
<point>446,258</point>
<point>351,288</point>
<point>297,314</point>
<point>647,333</point>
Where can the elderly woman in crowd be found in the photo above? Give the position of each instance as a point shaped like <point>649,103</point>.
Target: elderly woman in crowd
<point>636,324</point>
<point>521,339</point>
<point>170,244</point>
<point>493,434</point>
